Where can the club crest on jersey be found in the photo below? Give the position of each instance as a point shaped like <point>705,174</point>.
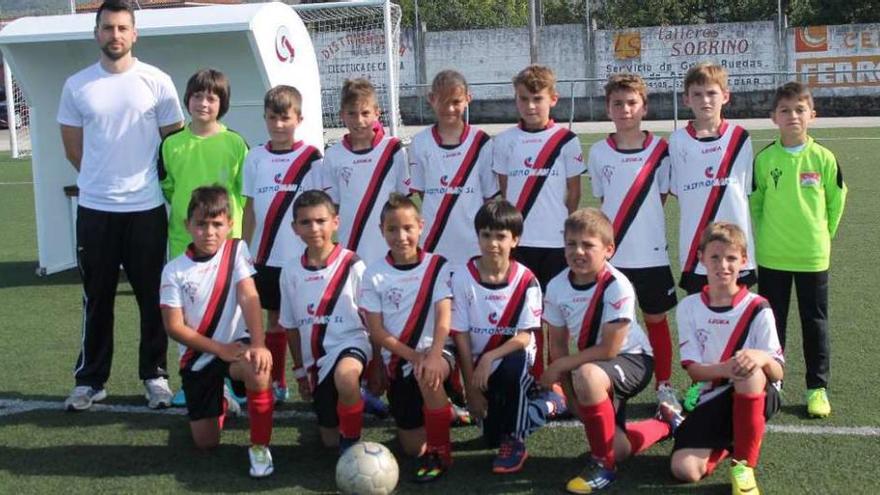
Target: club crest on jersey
<point>810,179</point>
<point>776,174</point>
<point>345,174</point>
<point>394,296</point>
<point>607,173</point>
<point>310,309</point>
<point>702,338</point>
<point>493,318</point>
<point>190,288</point>
<point>566,310</point>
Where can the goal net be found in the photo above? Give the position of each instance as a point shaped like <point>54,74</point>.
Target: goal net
<point>15,115</point>
<point>352,39</point>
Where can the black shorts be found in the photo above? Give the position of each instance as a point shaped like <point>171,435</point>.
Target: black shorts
<point>268,282</point>
<point>629,375</point>
<point>710,425</point>
<point>405,398</point>
<point>545,263</point>
<point>325,396</point>
<point>204,389</point>
<point>655,288</point>
<point>693,283</point>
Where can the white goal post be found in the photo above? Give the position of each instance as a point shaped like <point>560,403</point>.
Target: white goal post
<point>358,38</point>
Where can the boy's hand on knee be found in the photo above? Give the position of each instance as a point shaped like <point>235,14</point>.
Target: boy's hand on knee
<point>260,358</point>
<point>476,402</point>
<point>748,361</point>
<point>550,376</point>
<point>232,352</point>
<point>432,369</point>
<point>481,374</point>
<point>304,388</point>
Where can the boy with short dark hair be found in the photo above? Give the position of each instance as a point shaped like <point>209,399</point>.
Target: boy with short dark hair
<point>274,175</point>
<point>207,297</point>
<point>729,345</point>
<point>406,299</point>
<point>496,308</point>
<point>329,344</point>
<point>539,166</point>
<point>362,170</point>
<point>629,173</point>
<point>710,172</point>
<point>592,305</point>
<point>202,153</point>
<point>796,209</point>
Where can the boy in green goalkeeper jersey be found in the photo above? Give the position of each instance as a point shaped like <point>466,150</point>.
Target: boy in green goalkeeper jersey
<point>796,208</point>
<point>203,153</point>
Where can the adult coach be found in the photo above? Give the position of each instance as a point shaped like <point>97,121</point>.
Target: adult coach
<point>113,115</point>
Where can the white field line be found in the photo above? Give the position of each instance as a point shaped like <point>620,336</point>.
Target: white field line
<point>9,407</point>
<point>15,183</point>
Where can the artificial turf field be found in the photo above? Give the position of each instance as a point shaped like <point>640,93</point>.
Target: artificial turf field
<point>125,448</point>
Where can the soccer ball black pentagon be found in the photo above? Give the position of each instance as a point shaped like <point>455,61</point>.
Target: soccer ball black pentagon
<point>367,468</point>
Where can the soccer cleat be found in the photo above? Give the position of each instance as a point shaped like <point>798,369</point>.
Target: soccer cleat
<point>432,465</point>
<point>179,399</point>
<point>158,393</point>
<point>593,478</point>
<point>668,414</point>
<point>460,415</point>
<point>511,456</point>
<point>240,399</point>
<point>692,396</point>
<point>281,393</point>
<point>818,405</point>
<point>233,409</point>
<point>83,396</point>
<point>742,479</point>
<point>261,461</point>
<point>666,394</point>
<point>374,404</point>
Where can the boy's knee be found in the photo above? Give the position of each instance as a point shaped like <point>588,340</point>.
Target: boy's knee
<point>590,383</point>
<point>686,470</point>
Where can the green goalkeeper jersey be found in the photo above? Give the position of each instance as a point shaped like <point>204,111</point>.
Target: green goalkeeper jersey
<point>187,161</point>
<point>796,206</point>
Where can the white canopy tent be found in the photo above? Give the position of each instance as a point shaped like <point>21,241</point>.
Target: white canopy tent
<point>257,46</point>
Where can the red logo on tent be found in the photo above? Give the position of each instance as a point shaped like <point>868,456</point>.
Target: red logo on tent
<point>283,46</point>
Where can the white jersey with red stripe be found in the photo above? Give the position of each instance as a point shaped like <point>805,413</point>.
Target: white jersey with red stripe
<point>630,183</point>
<point>537,166</point>
<point>321,303</point>
<point>450,203</point>
<point>567,304</point>
<point>710,335</point>
<point>188,283</point>
<point>405,296</point>
<point>268,175</point>
<point>492,313</point>
<point>360,183</point>
<point>694,179</point>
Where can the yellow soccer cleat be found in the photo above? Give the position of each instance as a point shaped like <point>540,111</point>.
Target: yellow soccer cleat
<point>591,480</point>
<point>817,403</point>
<point>742,479</point>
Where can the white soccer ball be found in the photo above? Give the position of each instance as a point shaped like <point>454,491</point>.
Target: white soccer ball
<point>367,468</point>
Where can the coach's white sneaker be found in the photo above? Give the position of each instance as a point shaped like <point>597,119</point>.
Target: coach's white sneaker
<point>233,408</point>
<point>261,461</point>
<point>667,395</point>
<point>158,393</point>
<point>83,396</point>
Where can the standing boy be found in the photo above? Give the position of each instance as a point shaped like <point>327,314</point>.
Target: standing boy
<point>629,172</point>
<point>207,296</point>
<point>496,308</point>
<point>275,174</point>
<point>202,153</point>
<point>729,345</point>
<point>407,302</point>
<point>362,170</point>
<point>796,208</point>
<point>329,344</point>
<point>711,173</point>
<point>539,166</point>
<point>592,305</point>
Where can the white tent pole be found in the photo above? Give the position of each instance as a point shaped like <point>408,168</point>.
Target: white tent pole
<point>392,69</point>
<point>10,110</point>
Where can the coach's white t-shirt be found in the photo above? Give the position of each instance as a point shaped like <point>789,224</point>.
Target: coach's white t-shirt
<point>120,115</point>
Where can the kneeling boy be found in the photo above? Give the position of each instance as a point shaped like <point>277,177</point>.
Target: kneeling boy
<point>495,310</point>
<point>593,304</point>
<point>407,302</point>
<point>328,342</point>
<point>207,296</point>
<point>729,343</point>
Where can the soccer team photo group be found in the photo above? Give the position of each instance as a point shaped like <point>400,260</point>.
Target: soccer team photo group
<point>434,311</point>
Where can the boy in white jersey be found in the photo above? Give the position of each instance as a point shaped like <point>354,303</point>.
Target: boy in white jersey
<point>592,305</point>
<point>407,301</point>
<point>207,297</point>
<point>729,345</point>
<point>362,170</point>
<point>629,172</point>
<point>451,166</point>
<point>496,308</point>
<point>710,172</point>
<point>329,343</point>
<point>539,166</point>
<point>274,174</point>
